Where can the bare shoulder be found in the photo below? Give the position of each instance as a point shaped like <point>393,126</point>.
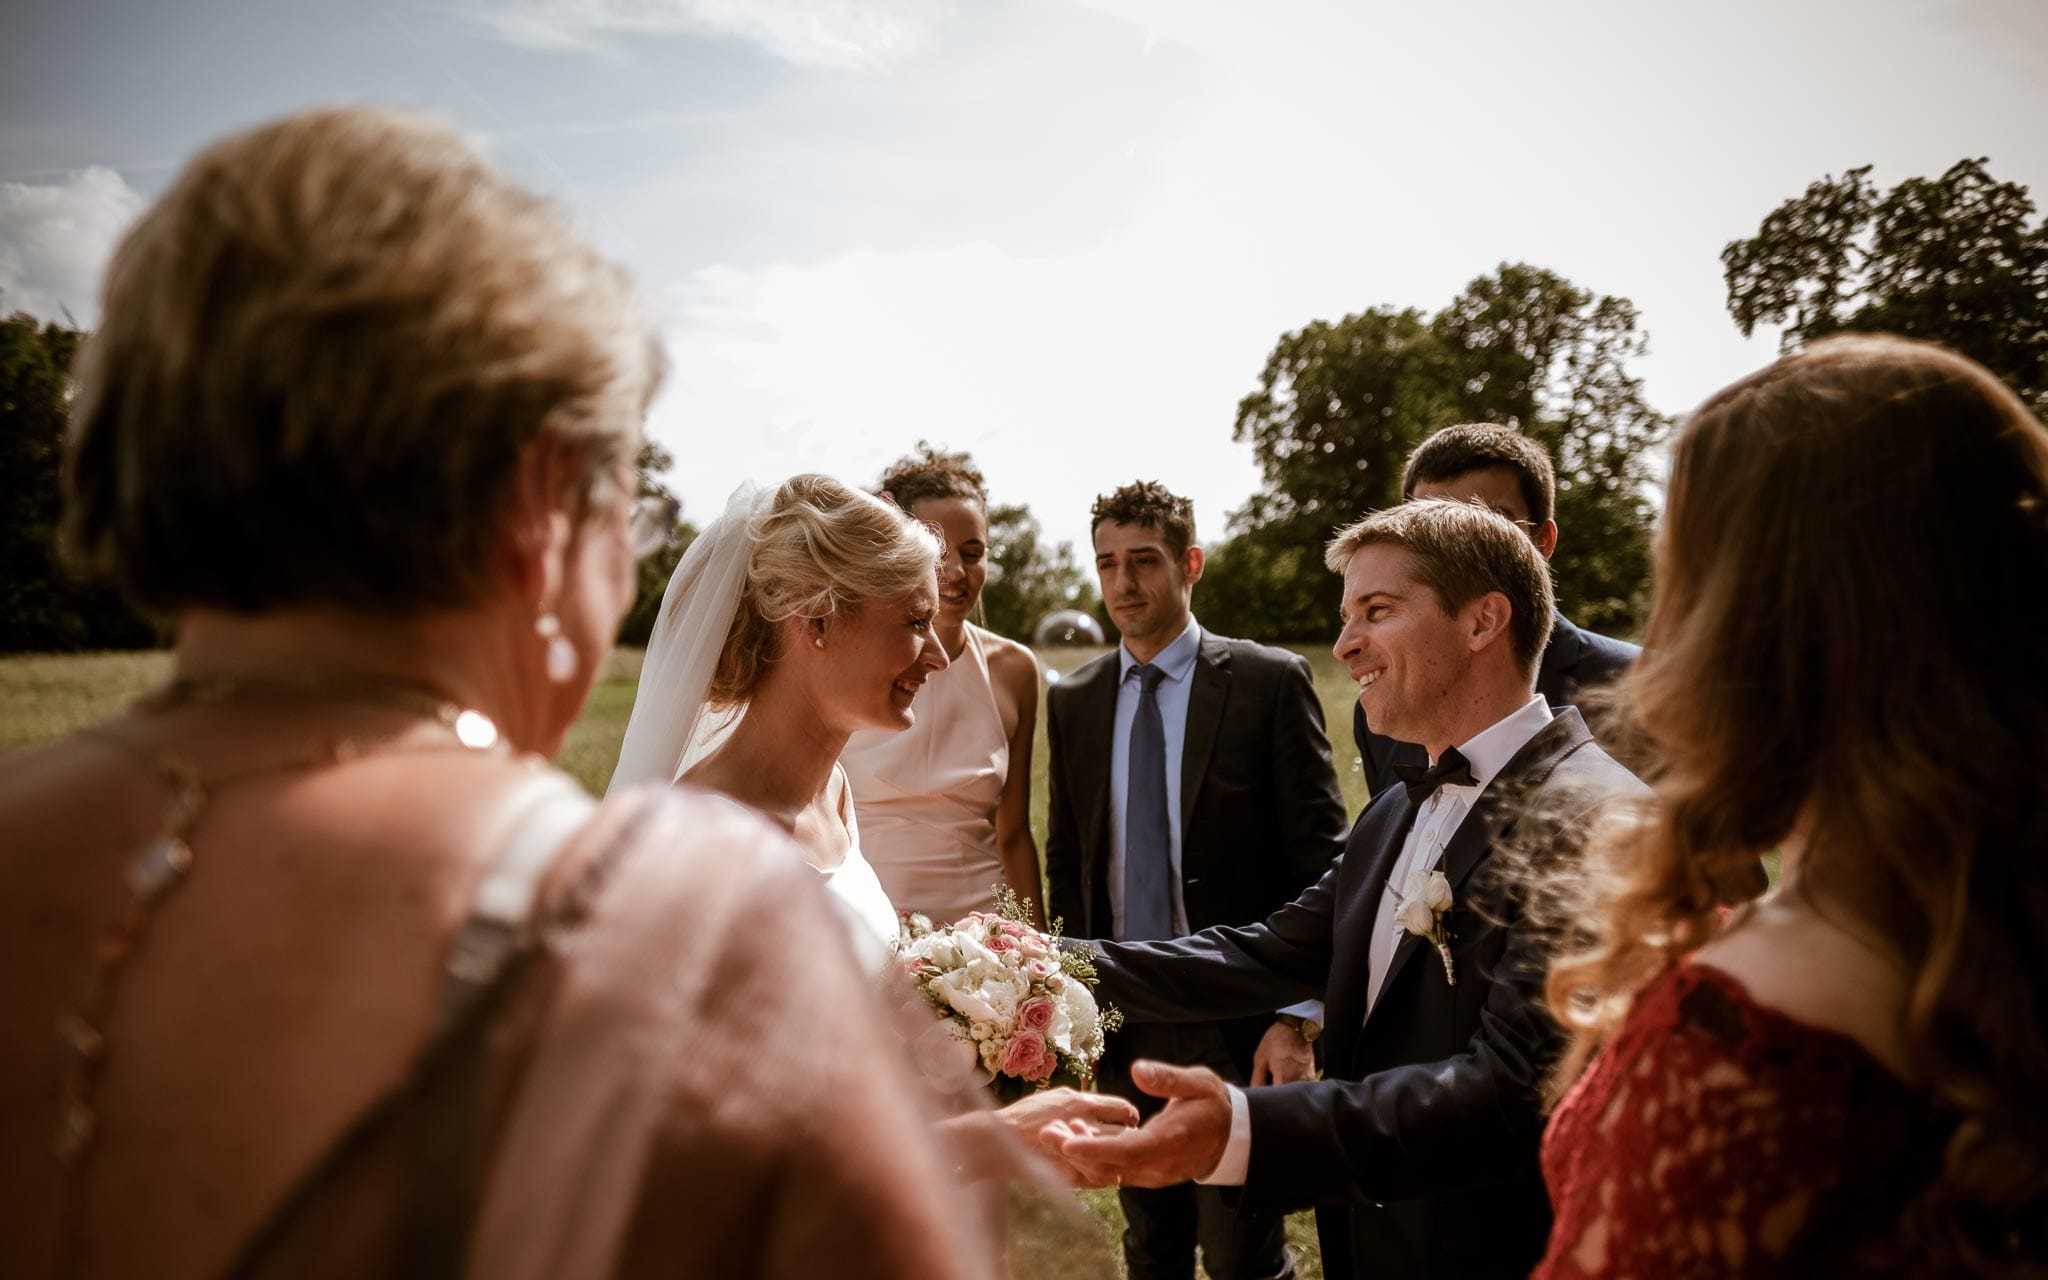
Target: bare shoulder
<point>1810,970</point>
<point>1009,662</point>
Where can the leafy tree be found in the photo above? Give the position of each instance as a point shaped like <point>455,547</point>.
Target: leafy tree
<point>1954,259</point>
<point>1340,406</point>
<point>1268,585</point>
<point>655,571</point>
<point>1025,582</point>
<point>1533,351</point>
<point>44,606</point>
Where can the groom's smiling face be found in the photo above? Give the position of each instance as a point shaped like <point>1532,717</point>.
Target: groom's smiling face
<point>1406,653</point>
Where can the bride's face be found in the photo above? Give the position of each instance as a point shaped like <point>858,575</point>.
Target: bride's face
<point>880,654</point>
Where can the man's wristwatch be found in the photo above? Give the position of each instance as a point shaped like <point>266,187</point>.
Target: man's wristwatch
<point>1307,1028</point>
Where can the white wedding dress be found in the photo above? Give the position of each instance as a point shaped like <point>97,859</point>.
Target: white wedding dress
<point>855,890</point>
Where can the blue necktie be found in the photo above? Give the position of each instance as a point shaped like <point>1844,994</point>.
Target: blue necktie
<point>1148,849</point>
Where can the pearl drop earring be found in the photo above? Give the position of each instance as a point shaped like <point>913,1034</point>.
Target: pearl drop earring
<point>561,655</point>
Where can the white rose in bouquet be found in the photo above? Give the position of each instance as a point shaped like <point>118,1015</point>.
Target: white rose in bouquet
<point>948,1057</point>
<point>986,990</point>
<point>1083,1024</point>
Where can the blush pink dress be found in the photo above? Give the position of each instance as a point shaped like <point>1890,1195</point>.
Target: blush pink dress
<point>927,797</point>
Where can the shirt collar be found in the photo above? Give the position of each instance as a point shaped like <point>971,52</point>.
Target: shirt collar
<point>1489,750</point>
<point>1176,659</point>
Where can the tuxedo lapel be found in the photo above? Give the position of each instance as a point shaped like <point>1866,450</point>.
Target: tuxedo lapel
<point>1375,846</point>
<point>1208,692</point>
<point>1491,818</point>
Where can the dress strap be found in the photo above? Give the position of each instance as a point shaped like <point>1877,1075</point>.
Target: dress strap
<point>443,1086</point>
<point>552,809</point>
<point>444,1175</point>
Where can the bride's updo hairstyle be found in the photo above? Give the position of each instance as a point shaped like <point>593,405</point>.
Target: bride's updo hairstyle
<point>1846,643</point>
<point>322,355</point>
<point>820,547</point>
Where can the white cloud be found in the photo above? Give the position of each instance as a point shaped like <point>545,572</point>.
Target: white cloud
<point>845,35</point>
<point>1064,374</point>
<point>55,240</point>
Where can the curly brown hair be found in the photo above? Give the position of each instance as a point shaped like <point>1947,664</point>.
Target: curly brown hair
<point>1845,643</point>
<point>927,472</point>
<point>1147,502</point>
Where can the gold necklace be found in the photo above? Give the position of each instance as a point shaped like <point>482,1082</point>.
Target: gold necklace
<point>160,868</point>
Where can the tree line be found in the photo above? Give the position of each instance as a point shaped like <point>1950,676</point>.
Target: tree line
<point>1959,259</point>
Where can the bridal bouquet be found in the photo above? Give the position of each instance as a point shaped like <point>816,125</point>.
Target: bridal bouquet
<point>1016,1012</point>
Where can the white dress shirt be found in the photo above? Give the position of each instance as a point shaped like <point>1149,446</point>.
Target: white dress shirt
<point>1487,753</point>
<point>1177,661</point>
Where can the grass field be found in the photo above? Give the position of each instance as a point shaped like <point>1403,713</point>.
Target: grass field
<point>42,697</point>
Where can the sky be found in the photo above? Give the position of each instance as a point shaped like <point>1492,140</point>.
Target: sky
<point>1062,234</point>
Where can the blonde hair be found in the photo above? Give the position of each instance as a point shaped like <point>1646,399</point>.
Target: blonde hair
<point>1462,551</point>
<point>324,351</point>
<point>1844,642</point>
<point>820,547</point>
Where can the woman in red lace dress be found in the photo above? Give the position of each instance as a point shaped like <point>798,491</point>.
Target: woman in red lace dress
<point>1843,666</point>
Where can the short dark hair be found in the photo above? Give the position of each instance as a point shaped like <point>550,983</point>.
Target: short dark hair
<point>1147,502</point>
<point>1462,551</point>
<point>932,473</point>
<point>1474,446</point>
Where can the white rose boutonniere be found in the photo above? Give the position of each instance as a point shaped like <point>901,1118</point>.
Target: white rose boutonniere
<point>1421,909</point>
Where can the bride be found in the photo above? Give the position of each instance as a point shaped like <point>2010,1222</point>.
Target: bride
<point>799,617</point>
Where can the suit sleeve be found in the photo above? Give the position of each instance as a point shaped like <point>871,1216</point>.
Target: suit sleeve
<point>1225,972</point>
<point>1065,892</point>
<point>1426,1128</point>
<point>1421,1129</point>
<point>1311,807</point>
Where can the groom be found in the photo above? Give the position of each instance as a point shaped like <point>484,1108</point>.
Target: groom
<point>1419,1147</point>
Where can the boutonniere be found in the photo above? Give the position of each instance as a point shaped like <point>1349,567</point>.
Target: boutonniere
<point>1421,911</point>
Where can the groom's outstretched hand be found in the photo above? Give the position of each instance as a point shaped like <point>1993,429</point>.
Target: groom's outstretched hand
<point>1183,1142</point>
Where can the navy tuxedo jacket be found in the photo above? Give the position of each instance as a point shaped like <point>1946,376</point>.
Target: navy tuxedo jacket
<point>1575,659</point>
<point>1419,1146</point>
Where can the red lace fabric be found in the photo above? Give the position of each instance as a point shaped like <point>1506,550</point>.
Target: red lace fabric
<point>1717,1137</point>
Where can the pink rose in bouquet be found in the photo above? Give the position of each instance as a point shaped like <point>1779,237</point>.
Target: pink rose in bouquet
<point>1015,1002</point>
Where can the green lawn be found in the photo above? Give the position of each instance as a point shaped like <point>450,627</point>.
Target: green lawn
<point>1072,1238</point>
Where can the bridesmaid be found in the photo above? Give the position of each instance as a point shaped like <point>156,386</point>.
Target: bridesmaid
<point>945,808</point>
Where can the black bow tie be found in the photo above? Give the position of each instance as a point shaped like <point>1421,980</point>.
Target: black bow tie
<point>1450,770</point>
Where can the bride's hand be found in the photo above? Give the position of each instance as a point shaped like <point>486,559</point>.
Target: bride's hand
<point>1043,1119</point>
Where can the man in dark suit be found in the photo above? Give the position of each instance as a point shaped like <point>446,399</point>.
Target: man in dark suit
<point>1419,1147</point>
<point>1190,785</point>
<point>1511,473</point>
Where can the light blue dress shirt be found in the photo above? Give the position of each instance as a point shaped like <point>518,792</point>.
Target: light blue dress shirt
<point>1177,660</point>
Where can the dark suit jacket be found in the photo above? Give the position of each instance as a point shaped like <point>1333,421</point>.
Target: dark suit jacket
<point>1261,817</point>
<point>1419,1146</point>
<point>1574,659</point>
